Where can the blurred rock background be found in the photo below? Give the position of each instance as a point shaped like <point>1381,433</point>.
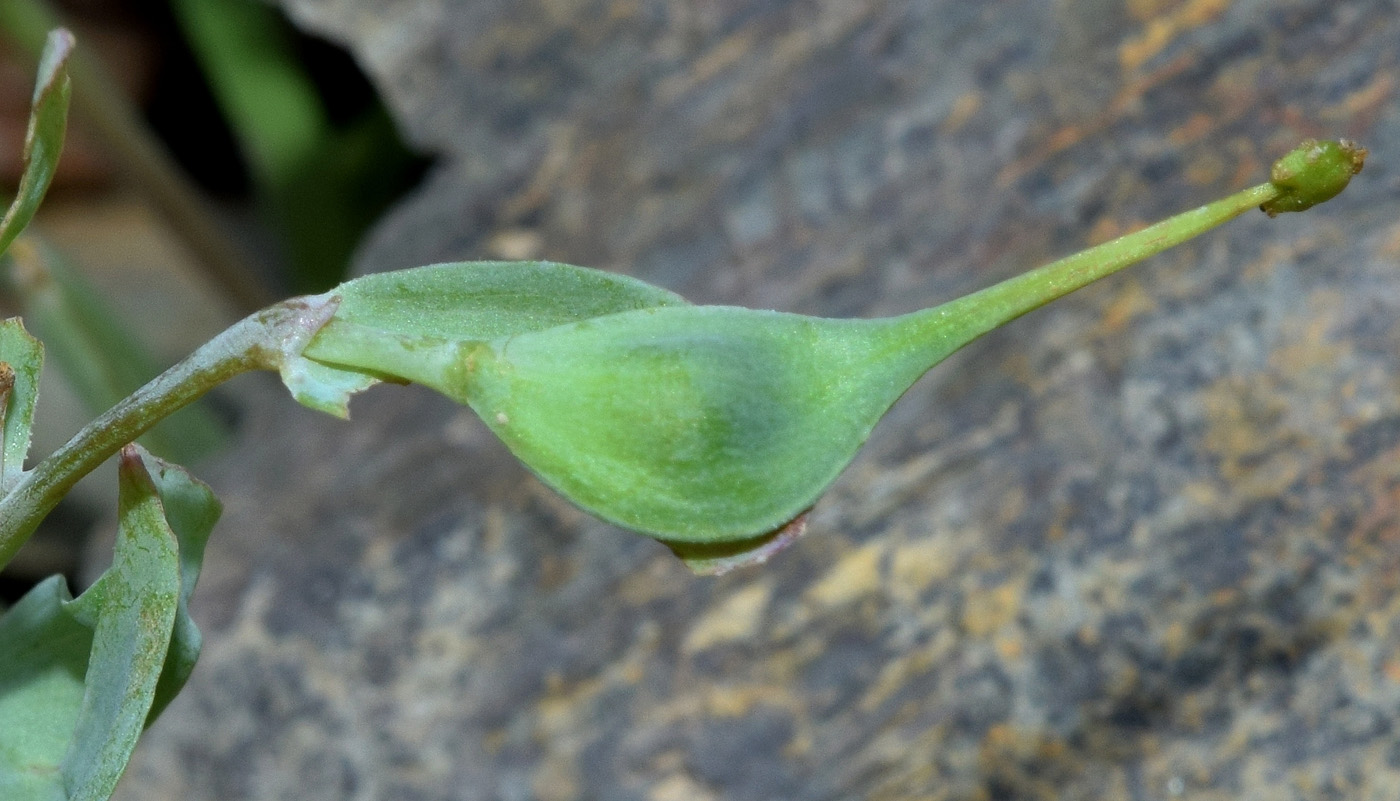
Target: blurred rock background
<point>1141,544</point>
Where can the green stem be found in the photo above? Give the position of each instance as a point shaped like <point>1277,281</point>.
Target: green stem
<point>1311,173</point>
<point>939,331</point>
<point>263,341</point>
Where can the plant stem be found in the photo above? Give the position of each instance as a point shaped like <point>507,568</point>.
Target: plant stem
<point>263,341</point>
<point>943,329</point>
<point>1312,173</point>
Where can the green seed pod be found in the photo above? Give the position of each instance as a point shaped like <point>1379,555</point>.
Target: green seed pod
<point>693,424</point>
<point>711,428</point>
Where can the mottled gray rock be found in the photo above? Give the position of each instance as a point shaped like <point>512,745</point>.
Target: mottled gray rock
<point>1142,544</point>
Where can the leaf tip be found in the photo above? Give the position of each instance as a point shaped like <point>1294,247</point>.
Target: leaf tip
<point>58,47</point>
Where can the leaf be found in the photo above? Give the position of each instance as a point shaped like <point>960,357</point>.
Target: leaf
<point>44,139</point>
<point>191,509</point>
<point>81,678</point>
<point>23,357</point>
<point>132,609</point>
<point>41,689</point>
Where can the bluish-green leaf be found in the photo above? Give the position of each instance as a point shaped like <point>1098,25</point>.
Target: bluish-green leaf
<point>132,609</point>
<point>41,688</point>
<point>710,428</point>
<point>191,510</point>
<point>80,679</point>
<point>44,139</point>
<point>701,424</point>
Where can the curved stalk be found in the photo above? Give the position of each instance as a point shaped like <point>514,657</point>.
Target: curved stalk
<point>263,341</point>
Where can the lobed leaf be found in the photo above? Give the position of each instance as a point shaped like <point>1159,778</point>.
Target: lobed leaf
<point>81,678</point>
<point>191,510</point>
<point>131,610</point>
<point>41,689</point>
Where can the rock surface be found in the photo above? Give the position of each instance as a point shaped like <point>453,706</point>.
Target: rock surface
<point>1142,544</point>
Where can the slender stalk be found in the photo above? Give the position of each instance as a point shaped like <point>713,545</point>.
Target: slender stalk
<point>943,329</point>
<point>1313,172</point>
<point>263,341</point>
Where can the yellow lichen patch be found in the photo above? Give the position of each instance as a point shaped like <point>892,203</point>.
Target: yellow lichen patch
<point>1244,423</point>
<point>1104,230</point>
<point>1010,647</point>
<point>679,788</point>
<point>1197,127</point>
<point>1392,670</point>
<point>722,56</point>
<point>1144,10</point>
<point>556,780</point>
<point>1315,353</point>
<point>1005,747</point>
<point>1200,494</point>
<point>1268,261</point>
<point>1160,30</point>
<point>894,676</point>
<point>1155,35</point>
<point>964,107</point>
<point>655,580</point>
<point>739,700</point>
<point>735,618</point>
<point>1366,100</point>
<point>1201,12</point>
<point>730,702</point>
<point>855,575</point>
<point>1206,168</point>
<point>1131,301</point>
<point>985,611</point>
<point>915,566</point>
<point>1011,506</point>
<point>1390,244</point>
<point>558,713</point>
<point>1176,639</point>
<point>623,9</point>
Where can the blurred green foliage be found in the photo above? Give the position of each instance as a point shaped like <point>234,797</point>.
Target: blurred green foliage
<point>320,183</point>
